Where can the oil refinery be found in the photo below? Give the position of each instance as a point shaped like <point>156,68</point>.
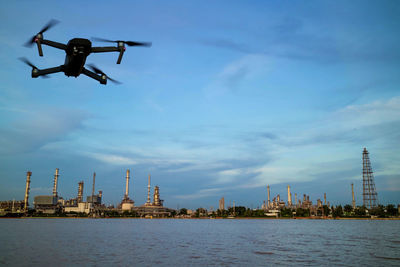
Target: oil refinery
<point>54,204</point>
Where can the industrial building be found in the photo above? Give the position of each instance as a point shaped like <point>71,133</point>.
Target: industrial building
<point>49,203</point>
<point>153,209</point>
<point>273,207</point>
<point>92,205</point>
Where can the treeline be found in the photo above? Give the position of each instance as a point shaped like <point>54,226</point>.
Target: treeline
<point>335,211</point>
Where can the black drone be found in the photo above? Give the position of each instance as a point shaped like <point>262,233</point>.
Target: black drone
<point>77,50</point>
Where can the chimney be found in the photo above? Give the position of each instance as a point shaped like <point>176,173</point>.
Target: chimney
<point>269,200</point>
<point>55,183</point>
<point>27,188</point>
<point>289,196</point>
<point>94,181</point>
<point>80,191</point>
<point>354,200</point>
<point>325,199</point>
<point>127,185</point>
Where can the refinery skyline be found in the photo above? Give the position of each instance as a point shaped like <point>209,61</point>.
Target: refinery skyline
<point>231,97</point>
<point>271,201</point>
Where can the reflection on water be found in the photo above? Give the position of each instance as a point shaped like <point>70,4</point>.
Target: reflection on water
<point>66,242</point>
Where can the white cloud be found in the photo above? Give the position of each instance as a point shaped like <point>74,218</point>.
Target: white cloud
<point>201,193</point>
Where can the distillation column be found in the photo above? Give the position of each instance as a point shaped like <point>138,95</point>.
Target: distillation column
<point>289,196</point>
<point>156,197</point>
<point>148,193</point>
<point>325,199</point>
<point>27,188</point>
<point>55,183</point>
<point>80,191</point>
<point>353,202</point>
<point>269,199</point>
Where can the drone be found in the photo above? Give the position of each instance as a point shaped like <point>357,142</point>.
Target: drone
<point>77,50</point>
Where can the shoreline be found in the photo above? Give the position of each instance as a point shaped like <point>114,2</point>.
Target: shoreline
<point>237,218</point>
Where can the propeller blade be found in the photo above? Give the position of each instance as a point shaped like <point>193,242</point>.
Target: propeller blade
<point>95,69</point>
<point>99,71</point>
<point>114,81</point>
<point>102,40</point>
<point>49,25</point>
<point>26,61</point>
<point>129,43</point>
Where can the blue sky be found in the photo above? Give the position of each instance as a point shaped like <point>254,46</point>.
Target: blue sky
<point>232,96</point>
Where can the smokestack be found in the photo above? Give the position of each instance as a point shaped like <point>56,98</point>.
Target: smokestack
<point>127,184</point>
<point>55,183</point>
<point>289,196</point>
<point>148,193</point>
<point>27,188</point>
<point>354,200</point>
<point>94,181</point>
<point>80,191</point>
<point>269,200</point>
<point>325,199</point>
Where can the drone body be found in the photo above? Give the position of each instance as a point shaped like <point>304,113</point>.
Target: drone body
<point>77,50</point>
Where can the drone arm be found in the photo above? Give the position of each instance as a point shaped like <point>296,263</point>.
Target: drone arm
<point>36,72</point>
<point>53,44</point>
<point>105,49</point>
<point>119,49</point>
<point>101,79</point>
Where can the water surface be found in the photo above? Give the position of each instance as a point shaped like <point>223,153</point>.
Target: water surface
<point>168,242</point>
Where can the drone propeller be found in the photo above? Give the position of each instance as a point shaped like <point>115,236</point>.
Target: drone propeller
<point>49,25</point>
<point>99,71</point>
<point>27,62</point>
<point>128,43</point>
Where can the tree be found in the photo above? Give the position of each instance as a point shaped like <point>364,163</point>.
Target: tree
<point>360,211</point>
<point>182,211</point>
<point>286,212</point>
<point>302,212</point>
<point>391,210</point>
<point>200,212</point>
<point>338,211</point>
<point>326,210</point>
<point>378,211</point>
<point>348,208</point>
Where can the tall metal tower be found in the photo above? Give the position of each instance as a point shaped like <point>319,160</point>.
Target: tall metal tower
<point>370,196</point>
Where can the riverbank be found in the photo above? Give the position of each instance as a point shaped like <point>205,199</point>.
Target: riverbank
<point>218,218</point>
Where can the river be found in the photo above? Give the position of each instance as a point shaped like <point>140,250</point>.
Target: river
<point>178,242</point>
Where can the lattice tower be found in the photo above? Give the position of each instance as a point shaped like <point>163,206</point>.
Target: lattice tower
<point>370,196</point>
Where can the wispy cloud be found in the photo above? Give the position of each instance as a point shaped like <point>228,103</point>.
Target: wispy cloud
<point>201,194</point>
<point>234,73</point>
<point>39,128</point>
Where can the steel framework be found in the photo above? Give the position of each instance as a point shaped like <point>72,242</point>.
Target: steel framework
<point>370,196</point>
